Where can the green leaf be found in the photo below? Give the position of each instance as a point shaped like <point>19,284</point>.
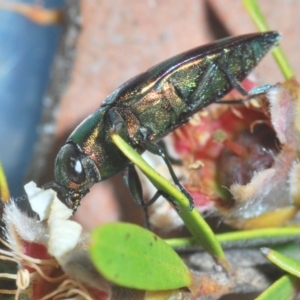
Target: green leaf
<point>286,263</point>
<point>283,288</point>
<point>134,257</point>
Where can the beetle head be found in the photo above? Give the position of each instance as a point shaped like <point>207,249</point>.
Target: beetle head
<point>75,173</point>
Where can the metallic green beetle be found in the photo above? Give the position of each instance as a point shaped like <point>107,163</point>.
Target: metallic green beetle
<point>149,106</point>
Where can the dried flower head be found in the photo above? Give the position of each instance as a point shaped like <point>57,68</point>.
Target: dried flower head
<point>50,251</point>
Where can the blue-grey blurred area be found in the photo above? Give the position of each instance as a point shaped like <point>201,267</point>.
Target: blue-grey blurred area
<point>27,51</point>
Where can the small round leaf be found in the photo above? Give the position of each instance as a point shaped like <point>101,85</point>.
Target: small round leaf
<point>134,257</point>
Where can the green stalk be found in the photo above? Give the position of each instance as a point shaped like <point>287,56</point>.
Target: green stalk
<point>258,19</point>
<point>254,237</point>
<point>192,219</point>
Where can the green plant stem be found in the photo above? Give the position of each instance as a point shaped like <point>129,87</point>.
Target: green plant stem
<point>192,219</point>
<point>246,238</point>
<point>258,19</point>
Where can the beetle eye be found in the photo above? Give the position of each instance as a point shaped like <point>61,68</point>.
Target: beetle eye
<point>70,161</point>
<point>75,169</point>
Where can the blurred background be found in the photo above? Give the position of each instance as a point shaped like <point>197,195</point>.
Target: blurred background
<point>60,59</point>
<point>27,52</point>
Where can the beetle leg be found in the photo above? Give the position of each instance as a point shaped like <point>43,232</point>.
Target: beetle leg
<point>157,150</point>
<point>166,196</point>
<point>260,90</point>
<point>133,182</point>
<point>118,124</point>
<point>252,94</point>
<point>237,85</point>
<point>233,81</point>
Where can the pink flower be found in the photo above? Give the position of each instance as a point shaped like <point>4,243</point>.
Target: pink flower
<point>244,158</point>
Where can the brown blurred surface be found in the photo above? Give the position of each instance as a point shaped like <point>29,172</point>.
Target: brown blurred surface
<point>120,39</point>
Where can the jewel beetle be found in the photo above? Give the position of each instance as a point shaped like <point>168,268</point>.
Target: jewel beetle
<point>149,106</point>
